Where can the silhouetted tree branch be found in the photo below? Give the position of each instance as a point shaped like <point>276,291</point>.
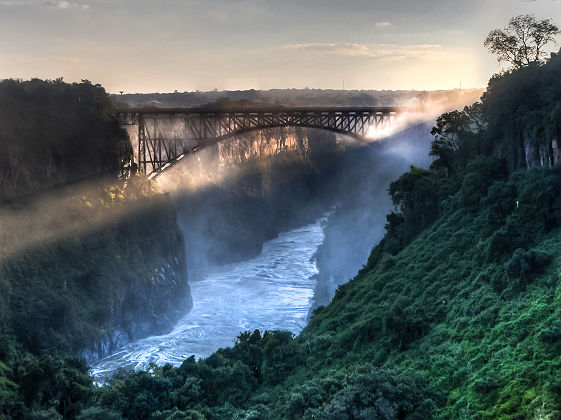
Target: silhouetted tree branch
<point>522,42</point>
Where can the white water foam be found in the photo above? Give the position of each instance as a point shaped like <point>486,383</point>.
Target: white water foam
<point>270,292</point>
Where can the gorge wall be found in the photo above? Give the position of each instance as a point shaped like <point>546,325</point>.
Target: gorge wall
<point>88,260</point>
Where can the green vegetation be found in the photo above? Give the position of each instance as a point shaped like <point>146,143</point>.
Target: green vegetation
<point>83,265</point>
<point>77,289</point>
<point>84,259</point>
<point>456,315</point>
<point>461,323</point>
<point>522,42</point>
<point>518,120</point>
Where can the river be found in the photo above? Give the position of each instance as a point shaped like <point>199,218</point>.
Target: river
<point>272,291</point>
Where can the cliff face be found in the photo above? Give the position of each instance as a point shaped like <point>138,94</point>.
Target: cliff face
<point>53,133</point>
<point>121,275</point>
<point>148,290</point>
<point>518,119</point>
<point>88,260</point>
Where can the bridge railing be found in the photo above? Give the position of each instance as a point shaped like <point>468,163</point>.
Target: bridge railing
<point>166,135</point>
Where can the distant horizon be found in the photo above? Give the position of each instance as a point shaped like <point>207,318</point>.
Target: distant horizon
<point>299,89</point>
<point>143,46</point>
<point>246,89</point>
<point>176,91</point>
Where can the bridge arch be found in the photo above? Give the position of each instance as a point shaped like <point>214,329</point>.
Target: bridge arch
<point>167,135</point>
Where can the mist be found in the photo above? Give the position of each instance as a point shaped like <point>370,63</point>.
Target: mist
<point>273,221</point>
<point>233,197</point>
<point>357,222</point>
<point>72,211</point>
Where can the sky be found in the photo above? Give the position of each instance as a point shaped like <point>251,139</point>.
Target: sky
<point>187,45</point>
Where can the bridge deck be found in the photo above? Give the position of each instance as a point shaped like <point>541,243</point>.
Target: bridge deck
<point>165,135</point>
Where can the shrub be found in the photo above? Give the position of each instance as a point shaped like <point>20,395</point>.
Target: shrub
<point>98,413</point>
<point>480,174</point>
<point>552,333</point>
<point>523,263</point>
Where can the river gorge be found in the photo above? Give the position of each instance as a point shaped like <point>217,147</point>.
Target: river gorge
<point>269,271</point>
<point>272,291</point>
<point>225,234</point>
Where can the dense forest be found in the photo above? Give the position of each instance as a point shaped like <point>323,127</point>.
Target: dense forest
<point>455,314</point>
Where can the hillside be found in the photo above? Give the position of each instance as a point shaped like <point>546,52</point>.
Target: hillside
<point>461,323</point>
<point>455,315</point>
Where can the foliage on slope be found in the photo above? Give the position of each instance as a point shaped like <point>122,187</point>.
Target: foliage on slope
<point>86,257</point>
<point>118,265</point>
<point>463,322</point>
<point>470,304</point>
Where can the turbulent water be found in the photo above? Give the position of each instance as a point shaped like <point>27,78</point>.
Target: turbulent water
<point>271,291</point>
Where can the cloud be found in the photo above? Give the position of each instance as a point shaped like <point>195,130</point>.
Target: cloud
<point>383,24</point>
<point>63,4</point>
<point>387,52</point>
<point>323,48</point>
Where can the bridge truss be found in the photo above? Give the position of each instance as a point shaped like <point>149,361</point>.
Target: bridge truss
<point>166,135</point>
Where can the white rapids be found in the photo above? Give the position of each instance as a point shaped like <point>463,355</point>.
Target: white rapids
<point>270,292</point>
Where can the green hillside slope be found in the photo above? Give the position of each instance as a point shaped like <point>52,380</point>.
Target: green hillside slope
<point>471,305</point>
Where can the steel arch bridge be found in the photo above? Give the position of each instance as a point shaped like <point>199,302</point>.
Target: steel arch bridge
<point>166,135</point>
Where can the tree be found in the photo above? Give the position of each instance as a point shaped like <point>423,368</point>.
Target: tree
<point>522,42</point>
<point>458,137</point>
<point>417,195</point>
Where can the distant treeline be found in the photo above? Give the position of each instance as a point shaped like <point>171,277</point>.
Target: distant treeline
<point>298,97</point>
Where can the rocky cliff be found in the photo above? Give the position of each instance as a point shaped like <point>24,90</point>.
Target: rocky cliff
<point>89,258</point>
